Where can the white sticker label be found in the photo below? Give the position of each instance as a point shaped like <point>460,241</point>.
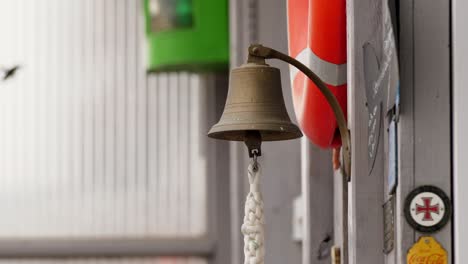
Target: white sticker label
<point>427,209</point>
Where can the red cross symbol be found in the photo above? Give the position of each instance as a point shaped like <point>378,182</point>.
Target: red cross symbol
<point>427,209</point>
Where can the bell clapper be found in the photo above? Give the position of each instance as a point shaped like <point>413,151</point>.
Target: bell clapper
<point>253,141</point>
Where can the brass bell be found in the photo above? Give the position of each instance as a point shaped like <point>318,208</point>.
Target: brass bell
<point>255,107</point>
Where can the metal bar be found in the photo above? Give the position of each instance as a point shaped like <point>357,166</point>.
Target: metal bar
<point>432,105</point>
<point>345,215</point>
<point>306,200</point>
<point>406,128</point>
<point>317,194</point>
<point>459,128</point>
<point>219,210</point>
<point>239,33</point>
<point>65,248</point>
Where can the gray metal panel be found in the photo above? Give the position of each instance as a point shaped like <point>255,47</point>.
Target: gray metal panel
<point>432,86</point>
<point>424,131</point>
<point>366,191</point>
<point>460,126</point>
<point>318,198</point>
<point>404,233</point>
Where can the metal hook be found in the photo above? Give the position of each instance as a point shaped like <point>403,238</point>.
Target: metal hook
<point>254,158</point>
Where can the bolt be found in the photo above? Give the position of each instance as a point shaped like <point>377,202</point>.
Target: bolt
<point>255,50</point>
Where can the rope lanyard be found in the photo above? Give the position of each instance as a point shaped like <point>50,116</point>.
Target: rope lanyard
<point>254,221</point>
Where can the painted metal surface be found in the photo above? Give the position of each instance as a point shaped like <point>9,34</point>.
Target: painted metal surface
<point>424,122</point>
<point>366,189</point>
<point>459,128</point>
<point>432,110</point>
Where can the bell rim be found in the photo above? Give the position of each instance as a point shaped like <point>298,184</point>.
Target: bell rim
<point>236,132</point>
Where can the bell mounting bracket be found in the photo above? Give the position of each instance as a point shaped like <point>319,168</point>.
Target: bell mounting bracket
<point>259,53</point>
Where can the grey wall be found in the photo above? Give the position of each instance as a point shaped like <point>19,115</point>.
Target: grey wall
<point>460,126</point>
<point>366,191</point>
<point>425,132</point>
<point>424,127</point>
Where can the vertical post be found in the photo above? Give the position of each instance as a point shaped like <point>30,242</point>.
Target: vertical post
<point>404,236</point>
<point>364,18</point>
<point>460,126</point>
<point>220,182</point>
<point>340,218</point>
<point>317,196</point>
<point>238,51</point>
<point>432,113</point>
<point>305,192</point>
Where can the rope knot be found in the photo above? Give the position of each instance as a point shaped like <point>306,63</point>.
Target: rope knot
<point>253,226</point>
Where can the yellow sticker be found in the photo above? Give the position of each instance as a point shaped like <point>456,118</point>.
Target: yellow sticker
<point>426,251</point>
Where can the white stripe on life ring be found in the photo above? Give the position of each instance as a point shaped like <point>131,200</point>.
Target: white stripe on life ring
<point>332,74</point>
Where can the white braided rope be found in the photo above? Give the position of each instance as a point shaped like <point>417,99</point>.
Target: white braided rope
<point>253,226</point>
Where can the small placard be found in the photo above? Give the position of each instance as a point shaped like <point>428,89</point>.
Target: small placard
<point>426,251</point>
<point>389,225</point>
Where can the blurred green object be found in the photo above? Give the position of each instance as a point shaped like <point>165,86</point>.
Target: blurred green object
<point>187,35</point>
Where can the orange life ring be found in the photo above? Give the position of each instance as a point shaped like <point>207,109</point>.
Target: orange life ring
<point>317,38</point>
